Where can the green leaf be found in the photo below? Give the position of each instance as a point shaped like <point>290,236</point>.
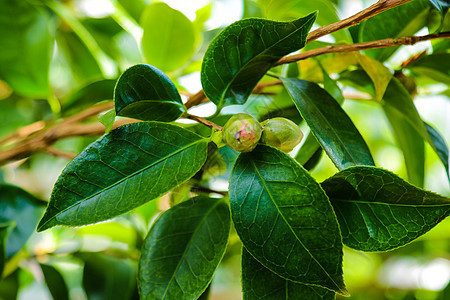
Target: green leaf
<point>378,73</point>
<point>122,170</point>
<point>402,20</point>
<point>332,87</point>
<point>244,51</point>
<point>107,277</point>
<point>411,144</point>
<point>23,210</point>
<point>107,119</point>
<point>331,126</point>
<point>379,211</point>
<point>88,95</point>
<point>259,282</point>
<point>55,282</point>
<point>144,92</point>
<point>285,220</point>
<point>441,147</point>
<point>397,97</point>
<point>27,44</point>
<point>169,37</point>
<point>9,286</point>
<point>81,60</point>
<point>183,249</point>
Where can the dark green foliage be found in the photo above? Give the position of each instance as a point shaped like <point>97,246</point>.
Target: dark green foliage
<point>143,92</point>
<point>55,282</point>
<point>329,123</point>
<point>259,282</point>
<point>21,211</point>
<point>243,52</point>
<point>161,155</point>
<point>183,249</point>
<point>178,228</point>
<point>378,211</point>
<point>285,220</point>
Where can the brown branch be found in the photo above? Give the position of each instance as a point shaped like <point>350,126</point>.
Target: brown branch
<point>205,122</point>
<point>58,153</point>
<point>195,99</point>
<point>42,140</point>
<point>405,40</point>
<point>367,13</point>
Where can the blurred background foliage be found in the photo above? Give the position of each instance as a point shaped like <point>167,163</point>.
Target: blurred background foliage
<point>58,58</point>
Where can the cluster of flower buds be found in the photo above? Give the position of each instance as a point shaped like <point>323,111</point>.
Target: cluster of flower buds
<point>242,133</point>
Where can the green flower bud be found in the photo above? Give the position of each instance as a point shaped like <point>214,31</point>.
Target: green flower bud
<point>242,132</point>
<point>281,133</point>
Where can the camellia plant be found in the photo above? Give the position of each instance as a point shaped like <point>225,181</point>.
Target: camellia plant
<point>292,227</point>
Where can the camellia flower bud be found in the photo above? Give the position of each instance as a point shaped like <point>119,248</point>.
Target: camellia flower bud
<point>281,133</point>
<point>242,132</point>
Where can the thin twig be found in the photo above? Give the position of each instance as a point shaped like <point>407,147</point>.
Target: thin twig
<point>205,122</point>
<point>58,153</point>
<point>391,42</point>
<point>44,139</point>
<point>365,14</point>
<point>195,99</point>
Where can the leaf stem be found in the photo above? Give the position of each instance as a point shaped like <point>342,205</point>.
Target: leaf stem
<point>204,122</point>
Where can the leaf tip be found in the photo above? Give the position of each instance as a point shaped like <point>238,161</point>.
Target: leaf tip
<point>343,292</point>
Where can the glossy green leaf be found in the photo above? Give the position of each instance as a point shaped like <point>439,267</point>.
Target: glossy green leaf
<point>285,220</point>
<point>260,283</point>
<point>26,37</point>
<point>144,92</point>
<point>402,20</point>
<point>169,37</point>
<point>55,282</point>
<point>23,210</point>
<point>441,147</point>
<point>88,95</point>
<point>244,51</point>
<point>183,249</point>
<point>124,169</point>
<point>379,211</point>
<point>108,277</point>
<point>411,144</point>
<point>331,126</point>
